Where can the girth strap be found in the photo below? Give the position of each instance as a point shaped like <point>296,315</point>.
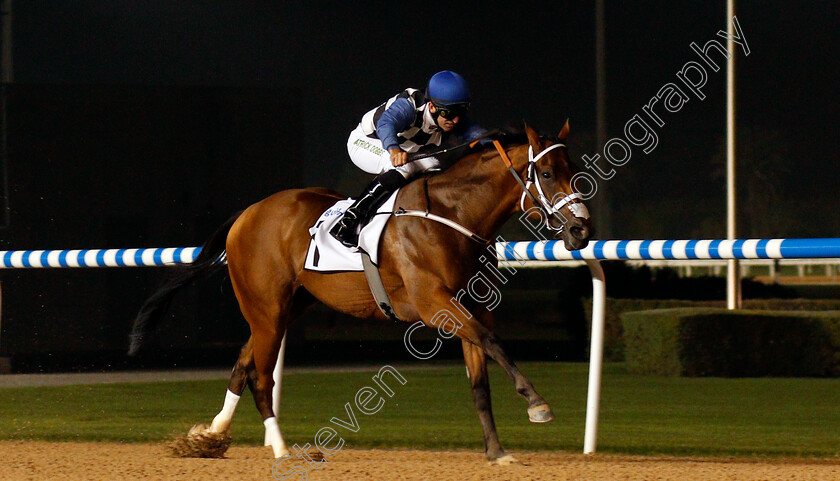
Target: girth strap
<point>377,288</point>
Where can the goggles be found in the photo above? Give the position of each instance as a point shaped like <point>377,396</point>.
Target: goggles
<point>452,111</point>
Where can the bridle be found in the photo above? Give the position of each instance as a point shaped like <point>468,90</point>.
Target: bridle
<point>573,200</point>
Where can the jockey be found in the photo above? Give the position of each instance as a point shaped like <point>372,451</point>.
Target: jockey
<point>407,122</point>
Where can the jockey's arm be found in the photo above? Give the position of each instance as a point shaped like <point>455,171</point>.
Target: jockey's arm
<point>397,118</point>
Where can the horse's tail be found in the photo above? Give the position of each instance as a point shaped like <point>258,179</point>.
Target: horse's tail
<point>211,259</point>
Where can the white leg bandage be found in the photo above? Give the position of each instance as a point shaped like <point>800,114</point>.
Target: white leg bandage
<point>273,437</point>
<point>221,422</point>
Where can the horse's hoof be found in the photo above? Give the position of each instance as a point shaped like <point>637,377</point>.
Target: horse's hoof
<point>280,452</point>
<point>540,413</point>
<point>503,461</point>
<point>201,442</point>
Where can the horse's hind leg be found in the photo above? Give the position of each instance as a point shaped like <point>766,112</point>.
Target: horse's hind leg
<point>269,311</point>
<point>261,248</point>
<point>243,372</point>
<point>204,441</point>
<point>266,348</point>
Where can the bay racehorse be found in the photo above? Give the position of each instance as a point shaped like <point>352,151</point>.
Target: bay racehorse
<point>423,265</point>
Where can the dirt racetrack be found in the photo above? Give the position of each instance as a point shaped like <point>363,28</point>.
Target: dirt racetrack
<point>100,461</point>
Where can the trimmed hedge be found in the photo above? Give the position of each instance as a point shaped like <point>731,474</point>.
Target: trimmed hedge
<point>719,342</point>
<point>614,332</point>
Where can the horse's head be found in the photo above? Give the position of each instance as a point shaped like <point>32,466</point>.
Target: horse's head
<point>552,197</point>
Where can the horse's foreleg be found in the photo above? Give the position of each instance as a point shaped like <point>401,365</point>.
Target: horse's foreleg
<point>480,382</point>
<point>473,331</point>
<point>538,409</point>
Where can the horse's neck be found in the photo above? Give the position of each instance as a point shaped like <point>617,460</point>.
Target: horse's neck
<point>479,194</point>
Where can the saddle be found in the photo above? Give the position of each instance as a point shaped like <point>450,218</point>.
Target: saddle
<point>326,254</point>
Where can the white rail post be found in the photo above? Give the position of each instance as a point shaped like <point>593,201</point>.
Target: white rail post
<point>733,275</point>
<point>596,356</point>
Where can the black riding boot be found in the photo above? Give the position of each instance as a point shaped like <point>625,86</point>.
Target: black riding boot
<point>357,215</point>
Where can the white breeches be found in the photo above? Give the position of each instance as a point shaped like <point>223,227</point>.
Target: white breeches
<point>369,155</point>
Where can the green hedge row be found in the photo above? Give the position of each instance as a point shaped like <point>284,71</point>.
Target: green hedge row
<point>719,342</point>
<point>614,333</point>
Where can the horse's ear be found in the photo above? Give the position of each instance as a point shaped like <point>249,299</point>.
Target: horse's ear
<point>564,132</point>
<point>533,138</point>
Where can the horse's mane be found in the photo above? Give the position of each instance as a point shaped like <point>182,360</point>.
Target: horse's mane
<point>512,134</point>
<point>458,157</point>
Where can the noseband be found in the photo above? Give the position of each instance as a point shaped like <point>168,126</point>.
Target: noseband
<point>576,206</point>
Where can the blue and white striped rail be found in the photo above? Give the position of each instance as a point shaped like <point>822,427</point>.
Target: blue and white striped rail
<point>672,249</point>
<point>164,256</point>
<point>509,251</point>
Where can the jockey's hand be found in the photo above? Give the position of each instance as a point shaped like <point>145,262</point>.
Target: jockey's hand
<point>398,157</point>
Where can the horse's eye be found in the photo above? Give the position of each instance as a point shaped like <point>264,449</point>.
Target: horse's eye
<point>546,175</point>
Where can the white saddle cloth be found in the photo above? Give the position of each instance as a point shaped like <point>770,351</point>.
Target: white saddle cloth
<point>326,254</point>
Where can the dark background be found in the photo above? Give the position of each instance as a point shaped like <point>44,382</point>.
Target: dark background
<point>145,124</point>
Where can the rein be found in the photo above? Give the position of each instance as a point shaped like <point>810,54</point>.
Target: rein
<point>471,143</point>
<point>443,220</point>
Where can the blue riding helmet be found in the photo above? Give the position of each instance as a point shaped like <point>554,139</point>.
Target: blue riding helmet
<point>447,88</point>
